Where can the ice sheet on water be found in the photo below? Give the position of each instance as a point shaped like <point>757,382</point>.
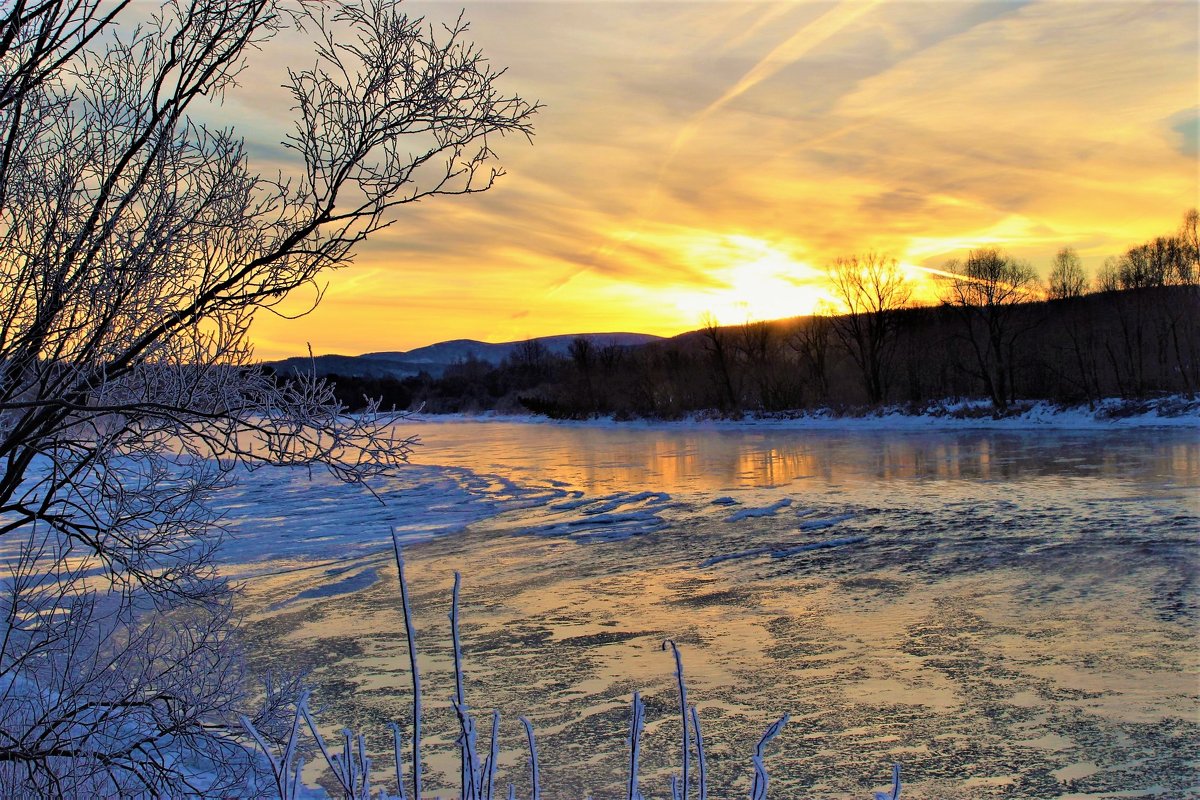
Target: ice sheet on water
<point>758,551</point>
<point>761,511</point>
<point>606,503</point>
<point>275,515</point>
<point>780,551</point>
<point>823,545</point>
<point>620,499</point>
<point>611,517</point>
<point>577,501</point>
<point>603,527</point>
<point>283,513</point>
<point>359,580</point>
<point>820,523</point>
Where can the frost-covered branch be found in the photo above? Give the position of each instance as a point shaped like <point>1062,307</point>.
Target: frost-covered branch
<point>137,243</point>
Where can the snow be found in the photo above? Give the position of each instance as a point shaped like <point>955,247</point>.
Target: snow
<point>348,585</point>
<point>718,559</point>
<point>607,518</point>
<point>781,551</point>
<point>625,498</point>
<point>821,523</point>
<point>824,545</point>
<point>1111,414</point>
<point>278,514</point>
<point>762,511</point>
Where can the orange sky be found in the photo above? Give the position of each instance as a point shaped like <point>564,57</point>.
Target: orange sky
<point>710,157</point>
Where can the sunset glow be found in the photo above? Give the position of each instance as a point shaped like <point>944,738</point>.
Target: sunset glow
<point>711,158</point>
<point>760,281</point>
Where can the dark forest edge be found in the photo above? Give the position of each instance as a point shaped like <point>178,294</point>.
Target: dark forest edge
<point>998,335</point>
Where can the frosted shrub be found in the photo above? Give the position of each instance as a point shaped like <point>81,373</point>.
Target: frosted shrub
<point>137,244</point>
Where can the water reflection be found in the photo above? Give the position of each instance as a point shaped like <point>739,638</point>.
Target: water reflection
<point>607,459</point>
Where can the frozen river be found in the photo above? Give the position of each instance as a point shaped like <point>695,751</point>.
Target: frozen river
<point>1006,614</point>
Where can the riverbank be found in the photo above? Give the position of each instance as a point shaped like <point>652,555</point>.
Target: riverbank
<point>1175,411</point>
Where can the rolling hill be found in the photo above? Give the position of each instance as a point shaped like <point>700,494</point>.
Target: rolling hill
<point>434,358</point>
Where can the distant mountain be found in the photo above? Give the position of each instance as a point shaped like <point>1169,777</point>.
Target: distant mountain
<point>435,358</point>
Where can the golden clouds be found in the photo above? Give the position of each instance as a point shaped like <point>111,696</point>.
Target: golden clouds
<point>720,153</point>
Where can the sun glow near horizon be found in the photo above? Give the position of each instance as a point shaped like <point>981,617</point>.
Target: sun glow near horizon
<point>750,278</point>
<point>755,279</point>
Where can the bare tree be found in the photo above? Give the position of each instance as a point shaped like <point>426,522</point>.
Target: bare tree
<point>1185,319</point>
<point>1154,334</point>
<point>811,341</point>
<point>582,352</point>
<point>1189,239</point>
<point>530,363</point>
<point>1163,261</point>
<point>1108,276</point>
<point>872,287</point>
<point>756,342</point>
<point>1067,282</point>
<point>611,356</point>
<point>1067,278</point>
<point>136,245</point>
<point>719,348</point>
<point>989,286</point>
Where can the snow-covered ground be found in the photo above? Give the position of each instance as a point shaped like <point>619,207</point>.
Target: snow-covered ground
<point>1112,414</point>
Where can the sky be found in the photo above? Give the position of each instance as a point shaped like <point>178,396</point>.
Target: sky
<point>713,158</point>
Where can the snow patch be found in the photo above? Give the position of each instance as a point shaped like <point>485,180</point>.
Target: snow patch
<point>762,511</point>
<point>282,513</point>
<point>1175,411</point>
<point>613,517</point>
<point>782,552</point>
<point>821,523</point>
<point>824,545</point>
<point>353,583</point>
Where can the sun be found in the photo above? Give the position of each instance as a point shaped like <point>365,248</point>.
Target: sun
<point>750,279</point>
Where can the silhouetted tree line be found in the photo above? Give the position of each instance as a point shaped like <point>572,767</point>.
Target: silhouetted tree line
<point>998,333</point>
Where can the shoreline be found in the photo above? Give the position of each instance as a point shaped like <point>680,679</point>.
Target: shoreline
<point>1113,414</point>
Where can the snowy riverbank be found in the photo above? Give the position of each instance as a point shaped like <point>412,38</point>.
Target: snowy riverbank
<point>1111,414</point>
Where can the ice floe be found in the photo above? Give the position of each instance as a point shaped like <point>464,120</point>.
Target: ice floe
<point>762,511</point>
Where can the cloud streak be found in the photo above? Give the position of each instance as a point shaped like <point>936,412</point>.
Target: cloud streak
<point>814,130</point>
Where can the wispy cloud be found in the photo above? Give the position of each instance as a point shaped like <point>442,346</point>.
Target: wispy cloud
<point>816,129</point>
<point>785,54</point>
